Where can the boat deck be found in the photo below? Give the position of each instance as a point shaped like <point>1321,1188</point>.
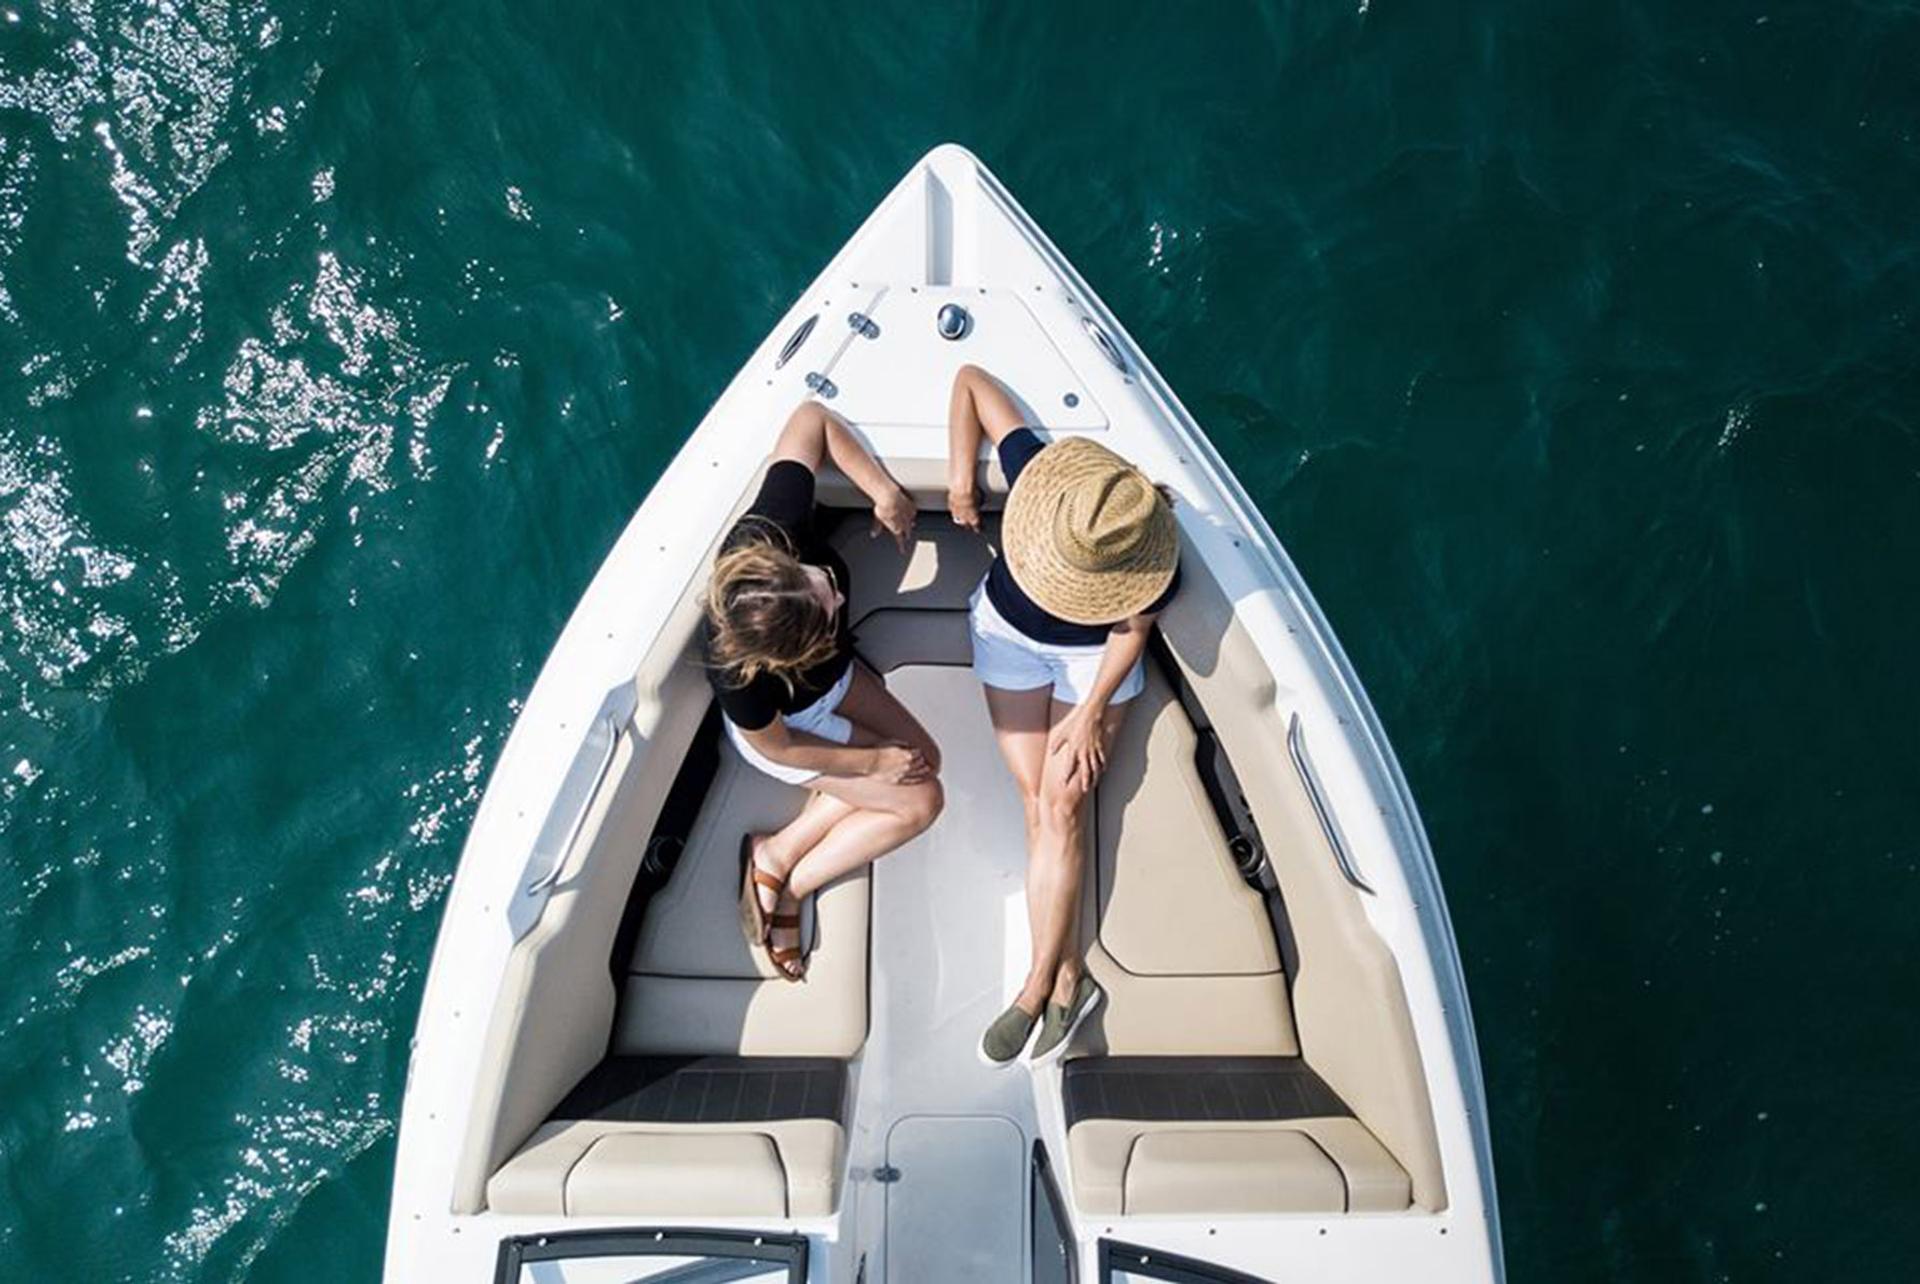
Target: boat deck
<point>950,950</point>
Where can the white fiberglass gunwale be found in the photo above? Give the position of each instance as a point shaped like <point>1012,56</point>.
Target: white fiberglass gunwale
<point>988,250</point>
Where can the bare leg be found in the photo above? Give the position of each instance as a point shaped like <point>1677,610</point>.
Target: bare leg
<point>877,817</point>
<point>852,821</point>
<point>1056,867</point>
<point>780,851</point>
<point>872,818</point>
<point>878,718</point>
<point>1020,722</point>
<point>880,817</point>
<point>878,712</point>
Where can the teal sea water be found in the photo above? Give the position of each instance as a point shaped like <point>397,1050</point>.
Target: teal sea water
<point>1571,347</point>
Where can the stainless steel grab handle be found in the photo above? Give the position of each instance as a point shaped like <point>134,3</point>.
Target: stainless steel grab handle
<point>552,875</point>
<point>1297,749</point>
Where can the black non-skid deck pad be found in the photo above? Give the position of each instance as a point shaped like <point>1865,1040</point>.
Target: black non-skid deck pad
<point>1168,1089</point>
<point>708,1090</point>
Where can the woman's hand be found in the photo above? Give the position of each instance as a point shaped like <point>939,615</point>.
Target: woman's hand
<point>899,765</point>
<point>1078,735</point>
<point>894,514</point>
<point>964,506</point>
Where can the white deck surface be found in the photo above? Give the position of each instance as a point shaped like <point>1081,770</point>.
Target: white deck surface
<point>950,920</point>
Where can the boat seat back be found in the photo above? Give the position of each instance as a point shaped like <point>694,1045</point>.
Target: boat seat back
<point>937,574</point>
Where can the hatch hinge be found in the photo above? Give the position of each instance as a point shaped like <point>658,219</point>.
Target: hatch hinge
<point>863,325</point>
<point>886,1174</point>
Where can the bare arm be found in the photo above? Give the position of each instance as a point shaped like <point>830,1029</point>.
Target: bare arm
<point>803,751</point>
<point>1079,733</point>
<point>813,432</point>
<point>978,407</point>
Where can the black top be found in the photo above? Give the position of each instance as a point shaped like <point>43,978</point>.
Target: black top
<point>1017,448</point>
<point>782,514</point>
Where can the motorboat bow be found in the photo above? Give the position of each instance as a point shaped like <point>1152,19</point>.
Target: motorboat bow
<point>1283,1083</point>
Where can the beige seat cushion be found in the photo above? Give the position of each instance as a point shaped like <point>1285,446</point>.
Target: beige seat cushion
<point>596,1168</point>
<point>1181,944</point>
<point>1231,1172</point>
<point>693,985</point>
<point>1171,901</point>
<point>690,924</point>
<point>1333,1164</point>
<point>734,1174</point>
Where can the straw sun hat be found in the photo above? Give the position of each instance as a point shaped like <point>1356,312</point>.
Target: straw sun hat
<point>1086,535</point>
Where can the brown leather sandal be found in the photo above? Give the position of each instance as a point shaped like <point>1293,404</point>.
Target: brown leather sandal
<point>754,920</point>
<point>789,961</point>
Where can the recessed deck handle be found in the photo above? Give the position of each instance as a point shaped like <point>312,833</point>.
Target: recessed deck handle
<point>565,853</point>
<point>1104,341</point>
<point>794,340</point>
<point>1297,750</point>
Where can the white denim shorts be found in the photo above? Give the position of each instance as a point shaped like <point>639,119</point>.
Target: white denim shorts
<point>1005,657</point>
<point>819,718</point>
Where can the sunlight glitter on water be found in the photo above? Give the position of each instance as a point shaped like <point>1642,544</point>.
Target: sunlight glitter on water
<point>401,308</point>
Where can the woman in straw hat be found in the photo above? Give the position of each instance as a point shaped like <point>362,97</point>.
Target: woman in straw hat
<point>1089,556</point>
<point>797,704</point>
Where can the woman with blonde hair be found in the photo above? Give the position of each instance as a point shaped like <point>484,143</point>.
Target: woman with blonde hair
<point>1089,557</point>
<point>798,705</point>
